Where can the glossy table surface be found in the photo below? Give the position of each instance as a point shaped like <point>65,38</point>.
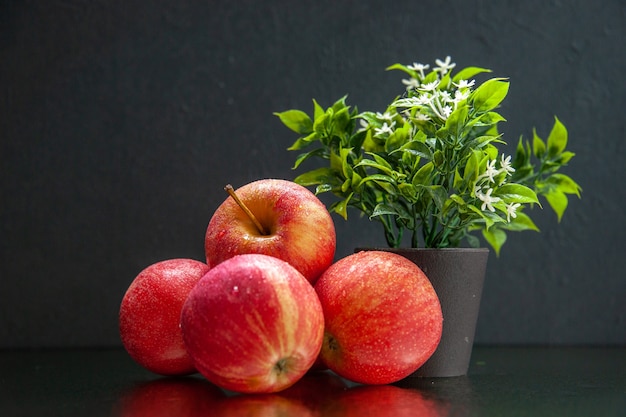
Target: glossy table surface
<point>502,381</point>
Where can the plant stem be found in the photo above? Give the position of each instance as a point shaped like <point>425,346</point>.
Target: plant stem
<point>229,189</point>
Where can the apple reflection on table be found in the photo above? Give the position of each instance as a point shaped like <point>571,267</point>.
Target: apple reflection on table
<point>320,393</point>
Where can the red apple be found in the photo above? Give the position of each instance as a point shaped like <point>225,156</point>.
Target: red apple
<point>297,227</point>
<point>149,317</point>
<point>252,324</point>
<point>383,317</point>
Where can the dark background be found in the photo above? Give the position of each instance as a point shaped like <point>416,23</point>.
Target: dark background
<point>121,121</point>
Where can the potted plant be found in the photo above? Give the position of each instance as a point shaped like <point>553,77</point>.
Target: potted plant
<point>429,164</point>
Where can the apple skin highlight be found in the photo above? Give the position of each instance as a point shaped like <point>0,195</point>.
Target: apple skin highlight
<point>301,230</point>
<point>253,324</point>
<point>383,318</point>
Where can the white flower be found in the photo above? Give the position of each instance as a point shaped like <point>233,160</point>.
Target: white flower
<point>460,95</point>
<point>432,86</point>
<point>423,99</point>
<point>511,211</point>
<point>421,117</point>
<point>446,111</point>
<point>436,105</point>
<point>364,125</point>
<point>490,171</point>
<point>384,116</point>
<point>505,164</point>
<point>445,95</point>
<point>411,83</point>
<point>487,200</point>
<point>444,66</point>
<point>385,128</point>
<point>419,68</point>
<point>465,84</point>
<point>408,102</point>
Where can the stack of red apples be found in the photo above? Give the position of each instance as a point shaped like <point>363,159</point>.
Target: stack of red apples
<point>271,303</point>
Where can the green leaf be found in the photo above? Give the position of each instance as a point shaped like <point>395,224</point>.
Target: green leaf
<point>304,156</point>
<point>458,179</point>
<point>467,73</point>
<point>386,168</point>
<point>445,82</point>
<point>341,119</point>
<point>346,185</point>
<point>539,146</point>
<point>421,176</point>
<point>470,172</point>
<point>490,94</point>
<point>303,142</point>
<point>341,207</point>
<point>408,191</point>
<point>516,193</point>
<point>458,199</point>
<point>557,140</point>
<point>370,145</point>
<point>383,209</point>
<point>340,104</point>
<point>558,202</point>
<point>402,68</point>
<point>488,217</point>
<point>565,157</point>
<point>564,184</point>
<point>376,178</point>
<point>417,148</point>
<point>438,194</point>
<point>356,180</point>
<point>555,189</point>
<point>430,77</point>
<point>356,140</point>
<point>489,119</point>
<point>397,138</point>
<point>381,161</point>
<point>346,167</point>
<point>323,188</point>
<point>369,117</point>
<point>495,237</point>
<point>483,142</point>
<point>456,121</point>
<point>320,125</point>
<point>335,162</point>
<point>318,111</point>
<point>520,223</point>
<point>296,120</point>
<point>438,158</point>
<point>317,176</point>
<point>473,241</point>
<point>521,158</point>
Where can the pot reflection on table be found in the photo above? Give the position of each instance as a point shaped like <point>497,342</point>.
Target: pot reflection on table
<point>316,394</point>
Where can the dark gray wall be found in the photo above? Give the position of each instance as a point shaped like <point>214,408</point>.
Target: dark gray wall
<point>120,122</point>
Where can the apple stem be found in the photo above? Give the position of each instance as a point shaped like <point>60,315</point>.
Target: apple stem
<point>231,191</point>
